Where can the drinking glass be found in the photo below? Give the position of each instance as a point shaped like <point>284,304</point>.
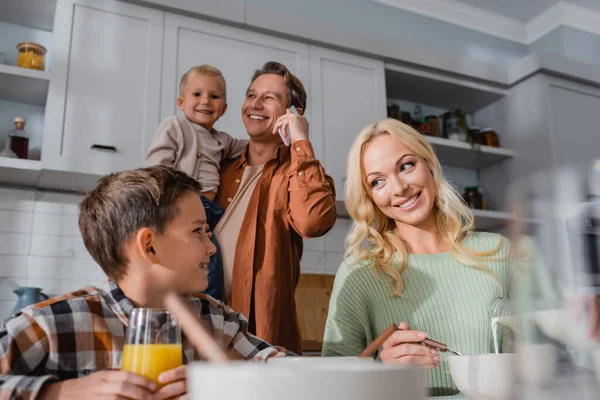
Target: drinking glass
<point>153,343</point>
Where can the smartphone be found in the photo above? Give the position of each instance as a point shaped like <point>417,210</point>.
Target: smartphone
<point>288,140</point>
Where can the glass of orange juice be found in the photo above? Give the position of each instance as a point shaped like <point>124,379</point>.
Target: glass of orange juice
<point>153,343</point>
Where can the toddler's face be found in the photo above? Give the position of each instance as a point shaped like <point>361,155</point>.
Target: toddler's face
<point>203,100</point>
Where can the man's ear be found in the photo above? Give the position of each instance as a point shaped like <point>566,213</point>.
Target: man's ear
<point>145,242</point>
<point>300,110</point>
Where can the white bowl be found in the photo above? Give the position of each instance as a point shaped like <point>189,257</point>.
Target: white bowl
<point>484,376</point>
<point>312,361</point>
<point>294,381</point>
<point>537,363</point>
<point>561,325</point>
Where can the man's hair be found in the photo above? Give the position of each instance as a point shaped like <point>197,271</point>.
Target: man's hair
<point>124,202</point>
<point>205,70</point>
<point>295,89</point>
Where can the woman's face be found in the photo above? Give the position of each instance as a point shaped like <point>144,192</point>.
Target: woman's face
<point>399,182</point>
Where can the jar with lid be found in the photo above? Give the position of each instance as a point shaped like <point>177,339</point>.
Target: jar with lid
<point>490,138</point>
<point>473,197</point>
<point>31,55</point>
<point>19,141</point>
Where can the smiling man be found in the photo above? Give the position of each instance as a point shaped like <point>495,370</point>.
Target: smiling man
<point>274,196</point>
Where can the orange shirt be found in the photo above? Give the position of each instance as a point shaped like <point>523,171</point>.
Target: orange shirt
<point>294,199</point>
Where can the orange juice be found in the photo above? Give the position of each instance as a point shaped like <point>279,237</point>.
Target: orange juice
<point>151,360</point>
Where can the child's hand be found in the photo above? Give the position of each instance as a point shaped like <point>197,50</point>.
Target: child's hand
<point>175,382</point>
<point>101,385</point>
<point>297,124</point>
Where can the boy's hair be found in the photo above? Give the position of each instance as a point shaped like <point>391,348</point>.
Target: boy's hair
<point>206,70</point>
<point>124,202</point>
<point>295,89</point>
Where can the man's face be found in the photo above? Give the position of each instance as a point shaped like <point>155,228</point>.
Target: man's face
<point>184,248</point>
<point>266,100</point>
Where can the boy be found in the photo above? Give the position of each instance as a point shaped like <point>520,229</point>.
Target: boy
<point>190,144</point>
<point>147,229</point>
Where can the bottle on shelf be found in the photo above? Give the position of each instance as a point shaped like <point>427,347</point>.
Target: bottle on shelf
<point>18,139</point>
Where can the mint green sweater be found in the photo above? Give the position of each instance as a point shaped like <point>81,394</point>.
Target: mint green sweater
<point>442,297</point>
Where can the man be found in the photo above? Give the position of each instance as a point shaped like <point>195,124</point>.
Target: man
<point>274,196</point>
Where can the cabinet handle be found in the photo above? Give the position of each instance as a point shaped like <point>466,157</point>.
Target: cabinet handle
<point>103,147</point>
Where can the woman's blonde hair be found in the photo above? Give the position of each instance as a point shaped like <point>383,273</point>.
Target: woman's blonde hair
<point>453,218</point>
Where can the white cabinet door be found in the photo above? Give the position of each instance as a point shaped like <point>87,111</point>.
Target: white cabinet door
<point>576,135</point>
<point>236,52</point>
<point>347,93</point>
<point>104,97</point>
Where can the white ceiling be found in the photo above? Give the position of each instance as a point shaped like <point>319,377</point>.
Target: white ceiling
<point>524,10</point>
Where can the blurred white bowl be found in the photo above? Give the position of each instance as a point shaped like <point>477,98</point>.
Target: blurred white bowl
<point>311,361</point>
<point>484,376</point>
<point>356,380</point>
<point>537,363</point>
<point>561,325</point>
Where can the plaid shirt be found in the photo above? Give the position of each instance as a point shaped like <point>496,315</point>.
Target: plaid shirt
<point>79,333</point>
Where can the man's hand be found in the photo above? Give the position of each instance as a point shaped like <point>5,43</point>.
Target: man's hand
<point>101,385</point>
<point>175,382</point>
<point>297,124</point>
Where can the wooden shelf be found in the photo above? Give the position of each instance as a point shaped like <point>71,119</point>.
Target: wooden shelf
<point>460,154</point>
<point>19,172</point>
<point>38,14</point>
<point>23,85</point>
<point>434,89</point>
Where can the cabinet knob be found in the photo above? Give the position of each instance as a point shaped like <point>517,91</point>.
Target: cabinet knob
<point>103,147</point>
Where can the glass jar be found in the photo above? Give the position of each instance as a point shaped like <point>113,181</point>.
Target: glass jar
<point>31,55</point>
<point>490,137</point>
<point>473,198</point>
<point>19,141</point>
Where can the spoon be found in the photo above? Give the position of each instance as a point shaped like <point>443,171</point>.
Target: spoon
<point>378,342</point>
<point>194,329</point>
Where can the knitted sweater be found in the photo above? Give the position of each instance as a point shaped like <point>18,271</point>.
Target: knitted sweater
<point>441,296</point>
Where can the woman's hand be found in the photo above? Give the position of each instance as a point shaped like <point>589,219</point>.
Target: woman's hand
<point>403,347</point>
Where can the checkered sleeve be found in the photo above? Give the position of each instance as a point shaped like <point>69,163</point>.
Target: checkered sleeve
<point>23,352</point>
<point>231,328</point>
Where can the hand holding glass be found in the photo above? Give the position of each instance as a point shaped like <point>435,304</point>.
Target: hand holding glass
<point>153,343</point>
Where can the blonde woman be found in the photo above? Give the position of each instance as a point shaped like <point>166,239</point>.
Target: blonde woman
<point>424,266</point>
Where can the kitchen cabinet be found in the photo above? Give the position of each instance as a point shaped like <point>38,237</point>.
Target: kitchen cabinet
<point>550,122</point>
<point>347,93</point>
<point>104,96</point>
<point>236,52</point>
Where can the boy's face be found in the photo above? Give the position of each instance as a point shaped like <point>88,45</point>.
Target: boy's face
<point>202,100</point>
<point>184,248</point>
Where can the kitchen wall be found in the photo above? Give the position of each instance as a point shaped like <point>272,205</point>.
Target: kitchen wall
<point>40,245</point>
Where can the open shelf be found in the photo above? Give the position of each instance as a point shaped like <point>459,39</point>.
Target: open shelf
<point>38,14</point>
<point>434,89</point>
<point>22,85</point>
<point>16,171</point>
<point>461,154</point>
<point>488,219</point>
